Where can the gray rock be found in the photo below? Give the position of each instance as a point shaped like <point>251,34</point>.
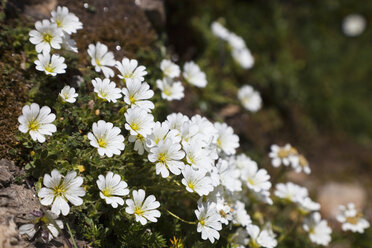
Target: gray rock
<point>334,194</point>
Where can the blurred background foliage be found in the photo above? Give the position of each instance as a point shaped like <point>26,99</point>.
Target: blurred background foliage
<point>306,68</point>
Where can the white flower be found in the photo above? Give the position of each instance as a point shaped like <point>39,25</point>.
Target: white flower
<point>27,229</point>
<point>139,143</point>
<point>45,36</point>
<point>290,192</point>
<point>170,69</point>
<point>243,57</point>
<point>193,75</point>
<point>196,181</point>
<point>106,89</point>
<point>208,221</point>
<point>112,187</point>
<point>176,121</point>
<point>197,156</point>
<point>101,59</point>
<point>170,90</point>
<point>351,219</point>
<point>240,215</point>
<point>51,66</point>
<point>256,179</point>
<point>37,122</point>
<point>299,163</point>
<point>69,44</point>
<point>264,238</point>
<point>228,175</point>
<point>68,94</point>
<point>250,98</point>
<point>65,20</point>
<point>281,155</point>
<point>139,121</point>
<point>240,238</point>
<point>236,42</point>
<point>58,191</point>
<point>161,132</point>
<point>40,222</point>
<point>106,138</point>
<point>227,141</point>
<point>136,94</point>
<point>318,229</point>
<point>223,207</point>
<point>167,156</point>
<point>263,196</point>
<point>307,205</point>
<point>353,25</point>
<point>129,69</point>
<point>143,210</point>
<point>220,31</point>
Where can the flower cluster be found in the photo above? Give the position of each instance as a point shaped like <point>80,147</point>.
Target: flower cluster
<point>54,34</point>
<point>193,154</point>
<point>239,51</point>
<point>171,88</point>
<point>289,156</point>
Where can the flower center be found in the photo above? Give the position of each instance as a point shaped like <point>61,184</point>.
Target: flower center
<point>191,185</point>
<point>102,142</point>
<point>162,157</point>
<point>355,219</point>
<point>33,125</point>
<point>219,143</point>
<point>138,211</point>
<point>192,159</point>
<point>167,91</point>
<point>128,75</point>
<point>59,190</point>
<point>135,126</point>
<point>222,213</point>
<point>103,93</point>
<point>107,192</point>
<point>49,68</point>
<point>47,37</point>
<point>251,181</point>
<point>202,221</point>
<point>132,99</point>
<point>302,161</point>
<point>59,23</point>
<point>283,153</point>
<point>98,62</point>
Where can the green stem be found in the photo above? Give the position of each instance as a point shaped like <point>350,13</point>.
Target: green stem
<point>72,237</point>
<point>178,218</point>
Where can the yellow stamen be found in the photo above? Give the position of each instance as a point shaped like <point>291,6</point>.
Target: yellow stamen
<point>135,126</point>
<point>102,142</point>
<point>132,99</point>
<point>202,222</point>
<point>47,37</point>
<point>98,62</point>
<point>354,220</point>
<point>33,125</point>
<point>138,211</point>
<point>283,153</point>
<point>107,192</point>
<point>49,68</point>
<point>191,185</point>
<point>167,92</point>
<point>162,157</point>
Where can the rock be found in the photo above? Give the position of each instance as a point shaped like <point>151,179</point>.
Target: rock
<point>7,172</point>
<point>154,10</point>
<point>40,10</point>
<point>334,194</point>
<point>17,201</point>
<point>9,236</point>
